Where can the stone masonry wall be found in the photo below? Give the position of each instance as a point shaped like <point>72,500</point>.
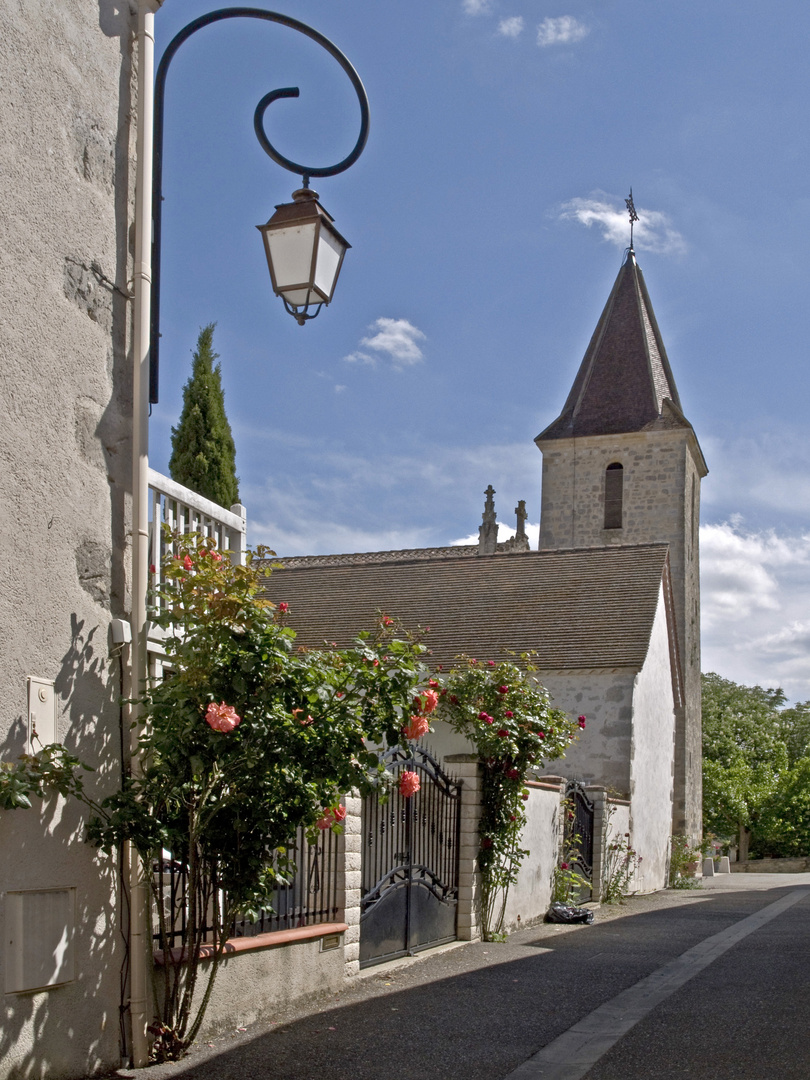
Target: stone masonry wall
<point>661,503</point>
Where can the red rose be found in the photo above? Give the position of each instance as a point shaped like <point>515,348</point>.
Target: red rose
<point>503,733</point>
<point>283,607</point>
<point>509,714</point>
<point>503,689</point>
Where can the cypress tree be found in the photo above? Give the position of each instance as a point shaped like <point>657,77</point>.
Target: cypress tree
<point>203,452</point>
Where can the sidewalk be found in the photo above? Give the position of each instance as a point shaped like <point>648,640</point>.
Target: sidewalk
<point>477,1010</point>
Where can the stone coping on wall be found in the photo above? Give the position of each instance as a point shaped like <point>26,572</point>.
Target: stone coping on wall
<point>260,941</point>
<point>548,783</point>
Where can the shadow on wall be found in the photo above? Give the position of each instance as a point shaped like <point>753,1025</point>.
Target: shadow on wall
<point>71,1029</point>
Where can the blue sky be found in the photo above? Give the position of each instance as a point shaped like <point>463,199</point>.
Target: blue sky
<point>487,222</point>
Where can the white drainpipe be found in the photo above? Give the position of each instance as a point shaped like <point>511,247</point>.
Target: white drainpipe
<point>139,927</point>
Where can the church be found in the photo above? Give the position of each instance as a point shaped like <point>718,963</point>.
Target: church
<point>609,604</point>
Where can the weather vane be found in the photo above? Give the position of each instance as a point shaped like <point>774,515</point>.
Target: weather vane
<point>631,209</point>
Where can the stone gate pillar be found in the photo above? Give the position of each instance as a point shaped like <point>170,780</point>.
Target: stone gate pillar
<point>466,767</point>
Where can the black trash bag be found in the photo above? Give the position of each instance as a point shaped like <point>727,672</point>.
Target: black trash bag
<point>567,913</point>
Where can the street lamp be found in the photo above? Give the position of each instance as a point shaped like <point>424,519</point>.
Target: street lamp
<point>304,279</point>
<point>304,250</point>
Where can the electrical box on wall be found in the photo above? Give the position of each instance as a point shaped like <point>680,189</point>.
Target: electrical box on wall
<point>42,726</point>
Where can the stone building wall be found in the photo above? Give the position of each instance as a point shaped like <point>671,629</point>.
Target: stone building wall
<point>66,177</point>
<point>601,754</point>
<point>661,468</point>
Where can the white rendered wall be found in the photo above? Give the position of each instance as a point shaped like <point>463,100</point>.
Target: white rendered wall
<point>65,187</point>
<point>652,759</point>
<point>530,896</point>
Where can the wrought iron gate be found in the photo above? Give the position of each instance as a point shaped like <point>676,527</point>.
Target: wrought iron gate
<point>579,820</point>
<point>410,861</point>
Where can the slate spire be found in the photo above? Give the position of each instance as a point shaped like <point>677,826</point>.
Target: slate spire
<point>624,383</point>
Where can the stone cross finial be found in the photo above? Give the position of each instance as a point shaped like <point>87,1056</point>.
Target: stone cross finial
<point>520,510</point>
<point>488,531</point>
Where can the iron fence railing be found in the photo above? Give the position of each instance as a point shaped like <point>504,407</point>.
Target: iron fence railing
<point>312,896</point>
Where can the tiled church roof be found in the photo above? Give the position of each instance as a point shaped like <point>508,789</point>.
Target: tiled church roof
<point>588,608</point>
<point>625,378</point>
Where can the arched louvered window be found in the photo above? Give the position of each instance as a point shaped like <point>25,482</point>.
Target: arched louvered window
<point>614,482</point>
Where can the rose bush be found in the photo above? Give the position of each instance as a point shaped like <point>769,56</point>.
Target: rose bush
<point>245,739</point>
<point>504,711</point>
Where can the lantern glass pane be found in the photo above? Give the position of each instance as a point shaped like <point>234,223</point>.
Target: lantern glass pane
<point>291,253</point>
<point>330,252</point>
<point>301,297</point>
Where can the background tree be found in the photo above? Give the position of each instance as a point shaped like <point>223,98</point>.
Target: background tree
<point>756,768</point>
<point>203,452</point>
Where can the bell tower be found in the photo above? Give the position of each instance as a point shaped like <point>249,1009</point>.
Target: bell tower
<point>622,465</point>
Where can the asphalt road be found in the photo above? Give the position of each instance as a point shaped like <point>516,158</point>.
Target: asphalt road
<point>482,1011</point>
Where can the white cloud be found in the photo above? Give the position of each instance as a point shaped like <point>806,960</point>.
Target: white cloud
<point>328,501</point>
<point>395,339</point>
<point>652,232</point>
<point>505,532</point>
<point>755,596</point>
<point>564,30</point>
<point>476,7</point>
<point>768,472</point>
<point>511,27</point>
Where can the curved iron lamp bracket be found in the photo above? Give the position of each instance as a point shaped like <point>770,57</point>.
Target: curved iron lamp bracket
<point>305,171</point>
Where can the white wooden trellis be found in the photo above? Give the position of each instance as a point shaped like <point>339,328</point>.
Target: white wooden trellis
<point>184,511</point>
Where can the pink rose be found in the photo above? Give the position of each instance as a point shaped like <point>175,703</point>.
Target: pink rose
<point>387,620</point>
<point>187,563</point>
<point>283,607</point>
<point>221,717</point>
<point>427,701</point>
<point>324,822</point>
<point>540,735</point>
<point>339,812</point>
<point>490,663</point>
<point>408,784</point>
<point>416,728</point>
<point>151,568</point>
<point>215,555</point>
<point>485,717</point>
